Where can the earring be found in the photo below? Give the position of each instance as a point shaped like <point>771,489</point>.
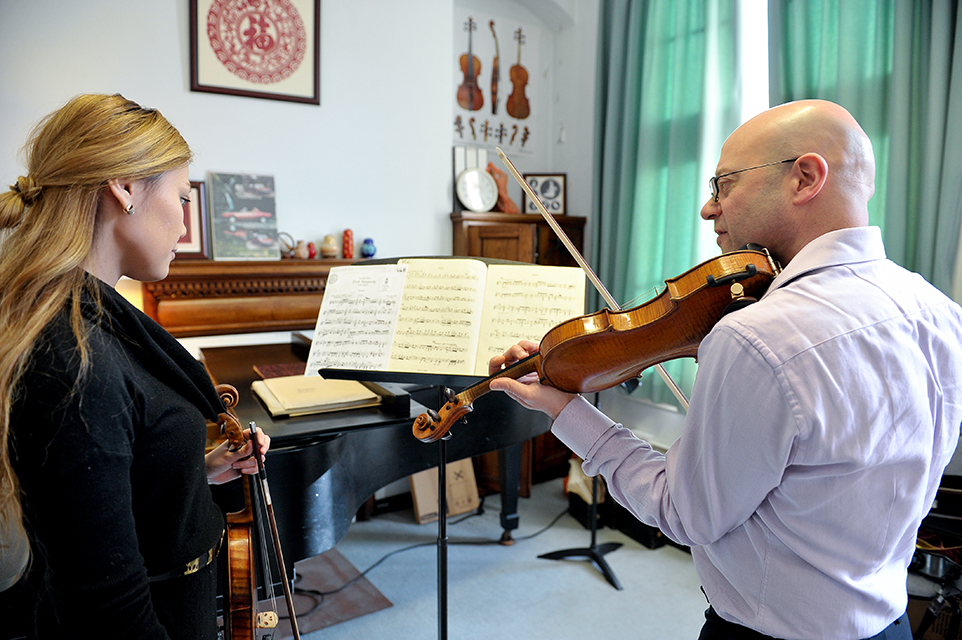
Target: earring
<point>129,209</point>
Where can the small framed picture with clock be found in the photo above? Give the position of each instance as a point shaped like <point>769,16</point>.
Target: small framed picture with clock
<point>550,188</point>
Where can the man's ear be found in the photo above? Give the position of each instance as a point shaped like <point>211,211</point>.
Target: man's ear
<point>809,174</point>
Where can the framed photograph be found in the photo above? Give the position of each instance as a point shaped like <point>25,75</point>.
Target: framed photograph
<point>243,220</point>
<point>196,244</point>
<point>265,49</point>
<point>550,188</point>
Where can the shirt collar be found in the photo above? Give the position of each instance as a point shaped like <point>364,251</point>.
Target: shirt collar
<point>835,248</point>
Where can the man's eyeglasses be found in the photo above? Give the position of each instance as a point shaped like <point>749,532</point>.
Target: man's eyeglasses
<point>713,181</point>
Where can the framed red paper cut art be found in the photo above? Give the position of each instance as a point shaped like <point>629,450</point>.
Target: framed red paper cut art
<point>262,49</point>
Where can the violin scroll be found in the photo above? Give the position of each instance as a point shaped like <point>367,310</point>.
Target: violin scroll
<point>229,424</point>
<point>434,425</point>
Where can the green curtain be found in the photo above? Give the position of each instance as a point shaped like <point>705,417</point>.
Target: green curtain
<point>667,97</point>
<point>897,66</point>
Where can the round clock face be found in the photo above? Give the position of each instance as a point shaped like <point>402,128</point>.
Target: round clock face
<point>477,190</point>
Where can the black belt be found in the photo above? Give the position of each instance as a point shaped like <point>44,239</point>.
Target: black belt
<point>193,566</point>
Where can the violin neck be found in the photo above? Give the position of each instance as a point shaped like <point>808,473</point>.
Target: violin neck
<point>521,368</point>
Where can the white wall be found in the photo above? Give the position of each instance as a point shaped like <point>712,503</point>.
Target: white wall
<point>375,156</point>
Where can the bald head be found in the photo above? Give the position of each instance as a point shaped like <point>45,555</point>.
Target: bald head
<point>816,126</point>
<point>786,206</point>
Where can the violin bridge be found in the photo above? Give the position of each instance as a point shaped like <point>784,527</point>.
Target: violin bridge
<point>267,620</point>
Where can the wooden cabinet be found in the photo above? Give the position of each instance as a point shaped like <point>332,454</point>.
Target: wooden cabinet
<point>523,238</point>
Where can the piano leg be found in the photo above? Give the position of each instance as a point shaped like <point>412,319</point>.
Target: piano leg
<point>509,470</point>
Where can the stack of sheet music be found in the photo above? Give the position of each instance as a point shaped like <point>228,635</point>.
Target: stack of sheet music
<point>304,395</point>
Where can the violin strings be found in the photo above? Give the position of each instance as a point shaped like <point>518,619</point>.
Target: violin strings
<point>646,295</point>
<point>260,507</point>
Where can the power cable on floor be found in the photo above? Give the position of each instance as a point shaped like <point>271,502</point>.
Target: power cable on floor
<point>321,595</point>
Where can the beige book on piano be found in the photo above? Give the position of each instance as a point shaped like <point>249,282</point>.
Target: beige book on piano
<point>438,315</point>
<point>305,395</point>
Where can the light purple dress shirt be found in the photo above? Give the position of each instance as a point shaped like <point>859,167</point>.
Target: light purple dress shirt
<point>821,420</point>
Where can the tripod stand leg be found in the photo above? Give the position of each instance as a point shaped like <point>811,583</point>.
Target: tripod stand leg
<point>595,553</point>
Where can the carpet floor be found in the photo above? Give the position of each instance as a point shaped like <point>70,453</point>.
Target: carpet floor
<point>497,591</point>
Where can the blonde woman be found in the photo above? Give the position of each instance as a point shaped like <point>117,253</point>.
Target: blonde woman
<point>102,413</point>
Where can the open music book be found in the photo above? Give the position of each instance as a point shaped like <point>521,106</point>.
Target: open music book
<point>438,315</point>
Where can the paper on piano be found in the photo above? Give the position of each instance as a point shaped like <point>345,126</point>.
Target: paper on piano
<point>304,395</point>
<point>430,315</point>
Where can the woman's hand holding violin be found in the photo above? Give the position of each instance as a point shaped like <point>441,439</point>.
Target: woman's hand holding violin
<point>527,390</point>
<point>224,465</point>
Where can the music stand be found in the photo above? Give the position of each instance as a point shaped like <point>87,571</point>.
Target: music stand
<point>441,381</point>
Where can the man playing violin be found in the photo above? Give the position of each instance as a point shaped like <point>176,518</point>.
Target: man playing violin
<point>822,416</point>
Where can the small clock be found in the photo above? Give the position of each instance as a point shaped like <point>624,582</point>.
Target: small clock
<point>476,189</point>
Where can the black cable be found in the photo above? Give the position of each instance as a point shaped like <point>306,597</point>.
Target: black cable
<point>321,595</point>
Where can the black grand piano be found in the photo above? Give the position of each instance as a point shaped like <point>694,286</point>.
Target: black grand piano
<point>323,467</point>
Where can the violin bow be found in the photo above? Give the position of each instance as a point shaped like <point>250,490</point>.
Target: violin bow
<point>266,492</point>
<point>599,286</point>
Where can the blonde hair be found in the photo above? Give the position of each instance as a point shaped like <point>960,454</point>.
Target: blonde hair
<point>47,220</point>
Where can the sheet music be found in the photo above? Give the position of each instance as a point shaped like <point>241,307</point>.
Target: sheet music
<point>438,324</point>
<point>525,305</point>
<point>359,311</point>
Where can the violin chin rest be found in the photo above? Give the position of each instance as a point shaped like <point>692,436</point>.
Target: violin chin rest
<point>738,303</point>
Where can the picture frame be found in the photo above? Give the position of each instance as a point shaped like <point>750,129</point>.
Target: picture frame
<point>551,189</point>
<point>243,216</point>
<point>279,60</point>
<point>196,244</point>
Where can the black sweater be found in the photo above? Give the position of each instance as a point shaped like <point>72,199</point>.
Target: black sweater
<point>113,474</point>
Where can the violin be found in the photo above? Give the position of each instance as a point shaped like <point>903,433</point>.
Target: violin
<point>517,104</point>
<point>241,618</point>
<point>601,350</point>
<point>469,94</point>
<point>495,71</point>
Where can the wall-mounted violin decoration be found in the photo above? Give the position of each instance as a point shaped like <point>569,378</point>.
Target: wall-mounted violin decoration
<point>517,104</point>
<point>469,93</point>
<point>495,71</point>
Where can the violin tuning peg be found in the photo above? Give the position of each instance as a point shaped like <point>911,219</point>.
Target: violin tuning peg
<point>450,394</point>
<point>434,415</point>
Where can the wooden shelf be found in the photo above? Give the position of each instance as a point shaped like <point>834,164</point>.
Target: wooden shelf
<point>212,297</point>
